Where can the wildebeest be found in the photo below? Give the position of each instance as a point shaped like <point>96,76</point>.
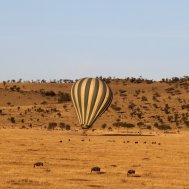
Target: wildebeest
<point>130,172</point>
<point>95,169</point>
<point>136,142</point>
<point>145,142</point>
<point>128,141</point>
<point>153,142</point>
<point>60,141</point>
<point>37,164</point>
<point>69,140</point>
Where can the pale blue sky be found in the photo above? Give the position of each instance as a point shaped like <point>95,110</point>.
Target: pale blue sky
<point>78,38</point>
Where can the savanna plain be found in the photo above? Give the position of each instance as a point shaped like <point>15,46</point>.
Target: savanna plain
<point>145,129</point>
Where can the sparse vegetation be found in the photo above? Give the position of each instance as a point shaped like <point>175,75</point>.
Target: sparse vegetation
<point>63,97</point>
<point>115,107</point>
<point>134,101</point>
<point>12,119</point>
<point>163,127</point>
<point>52,125</point>
<point>123,124</point>
<point>104,126</point>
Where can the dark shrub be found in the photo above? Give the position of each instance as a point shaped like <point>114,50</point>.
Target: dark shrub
<point>109,128</point>
<point>163,127</point>
<point>115,107</point>
<point>12,119</point>
<point>104,126</point>
<point>63,97</point>
<point>185,106</point>
<point>68,127</point>
<point>52,125</point>
<point>62,125</point>
<point>123,124</point>
<point>131,105</point>
<point>48,93</point>
<point>44,102</point>
<point>140,124</point>
<point>144,98</point>
<point>149,127</point>
<point>187,123</point>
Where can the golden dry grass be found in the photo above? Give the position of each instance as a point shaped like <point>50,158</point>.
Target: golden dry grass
<point>68,164</point>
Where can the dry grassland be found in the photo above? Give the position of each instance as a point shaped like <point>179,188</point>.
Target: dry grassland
<point>68,164</point>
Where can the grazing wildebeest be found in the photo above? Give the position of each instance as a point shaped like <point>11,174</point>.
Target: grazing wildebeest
<point>145,142</point>
<point>89,140</point>
<point>130,172</point>
<point>83,140</point>
<point>123,141</point>
<point>153,142</point>
<point>60,141</point>
<point>136,142</point>
<point>69,140</point>
<point>37,164</point>
<point>95,169</point>
<point>159,143</point>
<point>128,141</point>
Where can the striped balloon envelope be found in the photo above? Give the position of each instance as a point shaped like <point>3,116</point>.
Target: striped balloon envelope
<point>91,97</point>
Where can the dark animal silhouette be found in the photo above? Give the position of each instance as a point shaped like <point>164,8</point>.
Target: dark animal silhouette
<point>60,141</point>
<point>96,169</point>
<point>128,141</point>
<point>136,142</point>
<point>145,142</point>
<point>153,142</point>
<point>159,143</point>
<point>38,164</point>
<point>69,140</point>
<point>130,172</point>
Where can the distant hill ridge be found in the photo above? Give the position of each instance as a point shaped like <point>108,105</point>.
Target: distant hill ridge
<point>137,104</point>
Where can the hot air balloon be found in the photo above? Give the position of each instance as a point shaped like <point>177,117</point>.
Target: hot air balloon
<point>91,97</point>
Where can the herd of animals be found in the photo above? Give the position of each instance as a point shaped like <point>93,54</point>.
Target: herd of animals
<point>96,169</point>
